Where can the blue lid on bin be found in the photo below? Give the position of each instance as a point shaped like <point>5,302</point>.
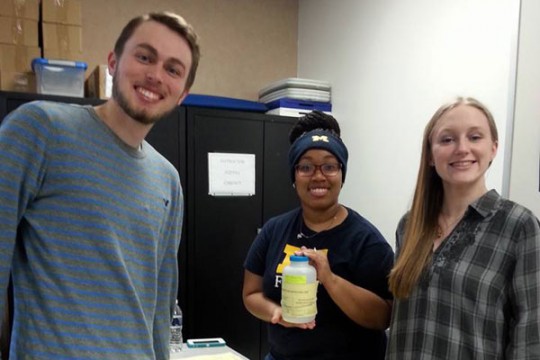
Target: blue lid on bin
<point>222,102</point>
<point>299,258</point>
<point>65,63</point>
<point>299,104</point>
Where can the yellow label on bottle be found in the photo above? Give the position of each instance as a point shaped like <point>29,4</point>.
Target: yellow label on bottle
<point>295,279</point>
<point>298,300</point>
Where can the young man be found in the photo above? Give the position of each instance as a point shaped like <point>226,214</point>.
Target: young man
<point>91,214</point>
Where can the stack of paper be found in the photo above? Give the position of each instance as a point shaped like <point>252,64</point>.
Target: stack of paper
<point>296,96</point>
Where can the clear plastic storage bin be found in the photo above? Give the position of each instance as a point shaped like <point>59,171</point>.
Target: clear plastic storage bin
<point>59,77</point>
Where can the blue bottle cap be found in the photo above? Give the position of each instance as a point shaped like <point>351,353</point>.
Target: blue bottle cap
<point>299,258</point>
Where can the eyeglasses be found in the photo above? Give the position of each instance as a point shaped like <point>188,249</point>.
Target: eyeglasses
<point>308,169</point>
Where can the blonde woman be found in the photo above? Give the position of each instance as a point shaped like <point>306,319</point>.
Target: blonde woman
<point>467,276</point>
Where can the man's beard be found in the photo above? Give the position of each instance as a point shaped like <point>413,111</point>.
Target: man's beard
<point>137,115</point>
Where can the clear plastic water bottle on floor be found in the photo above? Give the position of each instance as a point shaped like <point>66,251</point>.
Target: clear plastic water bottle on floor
<point>176,329</point>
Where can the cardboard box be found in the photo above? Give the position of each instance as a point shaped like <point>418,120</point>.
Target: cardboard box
<point>18,31</point>
<point>17,58</point>
<point>17,81</point>
<point>62,42</point>
<point>99,83</point>
<point>67,12</point>
<point>62,55</point>
<point>23,9</point>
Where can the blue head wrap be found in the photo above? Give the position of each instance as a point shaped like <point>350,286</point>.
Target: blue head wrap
<point>318,139</point>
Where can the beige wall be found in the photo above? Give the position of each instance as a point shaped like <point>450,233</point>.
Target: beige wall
<point>245,44</point>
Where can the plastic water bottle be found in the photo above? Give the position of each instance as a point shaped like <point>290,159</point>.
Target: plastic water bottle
<point>176,329</point>
<point>299,291</point>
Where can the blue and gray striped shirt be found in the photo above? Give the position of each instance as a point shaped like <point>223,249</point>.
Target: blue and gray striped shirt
<point>89,229</point>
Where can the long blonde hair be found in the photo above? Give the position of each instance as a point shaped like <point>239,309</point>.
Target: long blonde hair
<point>422,221</point>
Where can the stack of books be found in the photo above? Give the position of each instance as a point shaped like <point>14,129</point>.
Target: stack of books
<point>296,96</point>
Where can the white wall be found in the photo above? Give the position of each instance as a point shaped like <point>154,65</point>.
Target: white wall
<point>526,145</point>
<point>391,64</point>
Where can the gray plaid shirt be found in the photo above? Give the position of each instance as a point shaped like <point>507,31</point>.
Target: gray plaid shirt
<point>480,297</point>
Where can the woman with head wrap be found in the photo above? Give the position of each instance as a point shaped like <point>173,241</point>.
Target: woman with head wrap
<point>351,257</point>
